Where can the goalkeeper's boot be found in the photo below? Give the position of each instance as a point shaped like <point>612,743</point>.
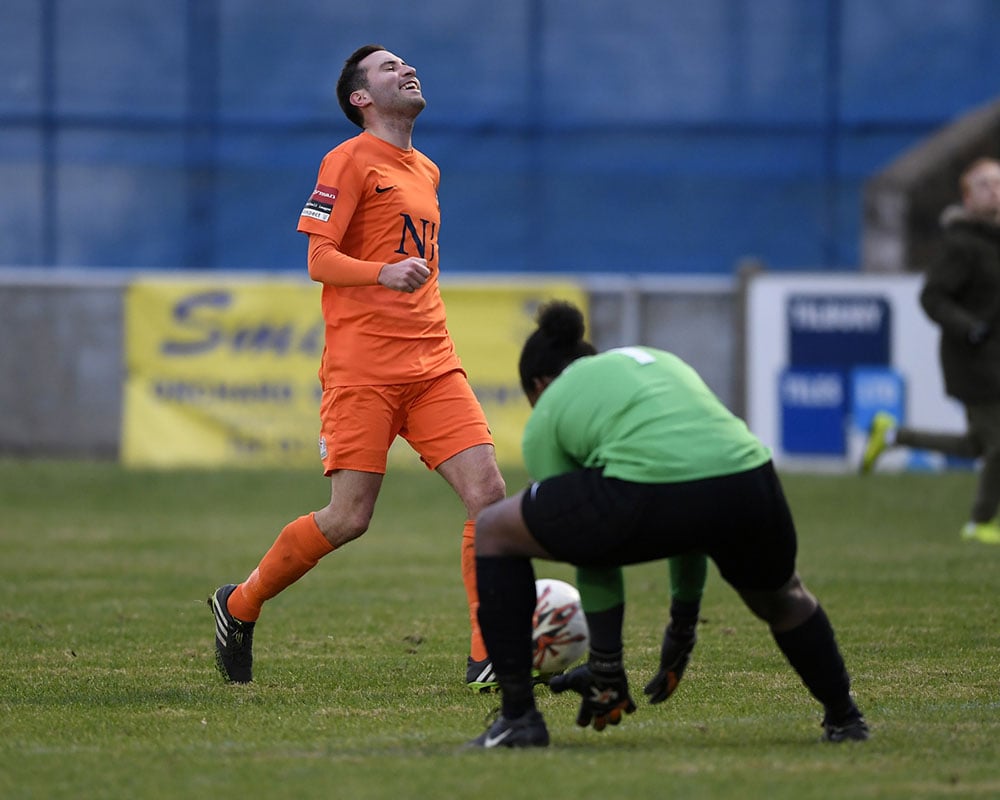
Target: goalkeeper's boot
<point>851,729</point>
<point>480,677</point>
<point>883,423</point>
<point>528,730</point>
<point>233,639</point>
<point>985,532</point>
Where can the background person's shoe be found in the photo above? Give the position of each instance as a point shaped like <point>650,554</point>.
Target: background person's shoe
<point>877,441</point>
<point>985,532</point>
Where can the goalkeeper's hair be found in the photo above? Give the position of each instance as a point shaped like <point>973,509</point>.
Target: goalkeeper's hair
<point>557,343</point>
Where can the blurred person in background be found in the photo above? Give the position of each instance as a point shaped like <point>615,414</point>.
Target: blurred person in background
<point>389,366</point>
<point>961,295</point>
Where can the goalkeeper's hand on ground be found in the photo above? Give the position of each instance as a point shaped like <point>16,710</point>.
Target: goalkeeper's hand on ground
<point>674,657</point>
<point>603,687</point>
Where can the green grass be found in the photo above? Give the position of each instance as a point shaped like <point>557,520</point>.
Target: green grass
<point>108,688</point>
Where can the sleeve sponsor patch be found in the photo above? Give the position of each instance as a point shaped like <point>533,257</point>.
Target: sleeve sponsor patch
<point>320,204</point>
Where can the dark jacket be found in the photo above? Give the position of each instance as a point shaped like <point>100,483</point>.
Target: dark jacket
<point>962,295</point>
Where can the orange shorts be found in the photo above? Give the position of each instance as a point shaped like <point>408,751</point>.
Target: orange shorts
<point>439,417</point>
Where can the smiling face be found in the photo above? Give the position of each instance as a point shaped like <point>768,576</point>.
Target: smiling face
<point>393,89</point>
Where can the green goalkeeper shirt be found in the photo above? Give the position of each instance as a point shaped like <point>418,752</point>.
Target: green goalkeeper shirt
<point>640,415</point>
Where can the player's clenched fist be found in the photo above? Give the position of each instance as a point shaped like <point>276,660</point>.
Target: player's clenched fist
<point>407,275</point>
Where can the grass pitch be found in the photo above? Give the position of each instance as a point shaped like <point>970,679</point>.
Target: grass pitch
<point>108,687</point>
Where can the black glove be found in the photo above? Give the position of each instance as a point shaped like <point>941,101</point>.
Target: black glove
<point>978,333</point>
<point>602,684</point>
<point>674,657</point>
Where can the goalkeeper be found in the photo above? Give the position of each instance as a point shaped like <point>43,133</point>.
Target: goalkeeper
<point>636,460</point>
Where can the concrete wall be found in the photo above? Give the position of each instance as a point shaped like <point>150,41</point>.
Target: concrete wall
<point>695,318</point>
<point>61,359</point>
<point>61,363</point>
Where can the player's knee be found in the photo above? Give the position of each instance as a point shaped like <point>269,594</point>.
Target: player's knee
<point>495,490</point>
<point>794,606</point>
<point>488,538</point>
<point>340,527</point>
<point>355,526</point>
<point>784,608</point>
<point>484,494</point>
<point>496,534</point>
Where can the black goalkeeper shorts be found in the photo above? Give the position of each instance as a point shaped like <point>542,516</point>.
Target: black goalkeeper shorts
<point>741,521</point>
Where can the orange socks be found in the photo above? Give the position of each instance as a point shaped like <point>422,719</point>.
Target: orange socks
<point>477,648</point>
<point>298,548</point>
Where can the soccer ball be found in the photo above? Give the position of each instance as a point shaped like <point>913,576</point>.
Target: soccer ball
<point>559,628</point>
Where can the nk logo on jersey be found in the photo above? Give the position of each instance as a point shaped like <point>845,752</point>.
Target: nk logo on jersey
<point>427,235</point>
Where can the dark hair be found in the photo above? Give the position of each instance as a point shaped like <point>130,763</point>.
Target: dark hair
<point>352,78</point>
<point>556,343</point>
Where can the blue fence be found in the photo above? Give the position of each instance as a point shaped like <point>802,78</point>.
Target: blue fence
<point>646,136</point>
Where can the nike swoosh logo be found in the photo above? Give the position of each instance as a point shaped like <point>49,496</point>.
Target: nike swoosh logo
<point>493,741</point>
<point>380,189</point>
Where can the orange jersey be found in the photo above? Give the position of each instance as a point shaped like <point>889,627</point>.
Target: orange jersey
<point>375,204</point>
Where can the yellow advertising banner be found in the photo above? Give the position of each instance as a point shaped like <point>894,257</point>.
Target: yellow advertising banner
<point>223,371</point>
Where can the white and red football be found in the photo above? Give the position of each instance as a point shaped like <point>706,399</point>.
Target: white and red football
<point>560,635</point>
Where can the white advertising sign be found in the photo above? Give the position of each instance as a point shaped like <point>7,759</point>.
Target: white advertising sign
<point>797,325</point>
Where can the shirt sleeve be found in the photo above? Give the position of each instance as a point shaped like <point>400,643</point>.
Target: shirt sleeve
<point>330,266</point>
<point>946,278</point>
<point>326,217</point>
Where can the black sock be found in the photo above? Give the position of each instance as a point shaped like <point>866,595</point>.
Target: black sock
<point>812,651</point>
<point>506,604</point>
<point>605,629</point>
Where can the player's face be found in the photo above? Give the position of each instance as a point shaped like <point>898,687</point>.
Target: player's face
<point>983,191</point>
<point>539,385</point>
<point>393,87</point>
